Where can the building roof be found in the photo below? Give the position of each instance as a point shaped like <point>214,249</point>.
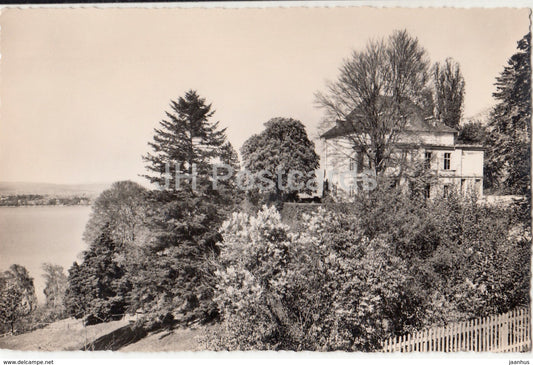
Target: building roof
<point>470,147</point>
<point>417,122</point>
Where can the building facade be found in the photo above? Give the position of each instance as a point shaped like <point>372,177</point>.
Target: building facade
<point>424,140</point>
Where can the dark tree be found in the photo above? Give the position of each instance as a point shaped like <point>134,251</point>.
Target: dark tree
<point>283,147</point>
<point>473,132</point>
<point>375,92</point>
<point>98,287</point>
<point>185,138</point>
<point>508,163</point>
<point>173,277</point>
<point>78,292</point>
<point>449,89</point>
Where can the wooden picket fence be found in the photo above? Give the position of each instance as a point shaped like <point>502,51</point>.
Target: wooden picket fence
<point>508,332</point>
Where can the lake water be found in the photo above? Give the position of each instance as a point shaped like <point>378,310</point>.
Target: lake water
<point>31,236</point>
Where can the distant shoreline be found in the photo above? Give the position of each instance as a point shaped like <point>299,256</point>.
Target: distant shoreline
<point>40,200</point>
<point>44,206</point>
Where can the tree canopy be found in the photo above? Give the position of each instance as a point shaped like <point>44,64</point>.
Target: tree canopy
<point>186,140</point>
<point>122,209</point>
<point>472,132</point>
<point>279,150</point>
<point>17,295</point>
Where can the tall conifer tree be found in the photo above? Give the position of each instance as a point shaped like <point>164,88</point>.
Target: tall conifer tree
<point>174,278</point>
<point>185,138</point>
<point>508,160</point>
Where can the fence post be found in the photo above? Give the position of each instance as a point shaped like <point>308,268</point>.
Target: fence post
<point>527,327</point>
<point>483,334</point>
<point>505,332</point>
<point>520,324</point>
<point>478,334</point>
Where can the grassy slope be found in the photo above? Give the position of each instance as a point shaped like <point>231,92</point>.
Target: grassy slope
<point>177,340</point>
<point>70,335</point>
<point>65,335</point>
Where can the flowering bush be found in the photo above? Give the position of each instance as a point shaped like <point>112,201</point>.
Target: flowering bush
<point>251,281</point>
<point>326,288</point>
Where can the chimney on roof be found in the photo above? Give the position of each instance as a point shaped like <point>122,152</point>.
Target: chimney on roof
<point>432,120</point>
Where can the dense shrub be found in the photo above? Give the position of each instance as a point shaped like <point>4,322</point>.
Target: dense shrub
<point>329,288</point>
<point>347,277</point>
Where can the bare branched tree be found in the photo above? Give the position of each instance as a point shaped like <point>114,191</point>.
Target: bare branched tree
<point>376,92</point>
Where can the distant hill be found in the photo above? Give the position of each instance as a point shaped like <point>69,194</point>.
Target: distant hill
<point>481,116</point>
<point>16,188</point>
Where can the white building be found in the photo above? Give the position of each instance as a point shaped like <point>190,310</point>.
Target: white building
<point>454,165</point>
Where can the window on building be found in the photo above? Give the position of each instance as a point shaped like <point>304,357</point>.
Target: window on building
<point>446,190</point>
<point>353,164</point>
<point>427,160</point>
<point>463,182</point>
<point>427,191</point>
<point>353,190</point>
<point>478,186</point>
<point>447,158</point>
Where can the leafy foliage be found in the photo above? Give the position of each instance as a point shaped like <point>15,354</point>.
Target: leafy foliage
<point>457,250</point>
<point>326,289</point>
<point>172,277</point>
<point>56,286</point>
<point>283,147</point>
<point>351,275</point>
<point>250,281</point>
<point>482,265</point>
<point>473,132</point>
<point>17,296</point>
<point>121,208</point>
<point>98,288</point>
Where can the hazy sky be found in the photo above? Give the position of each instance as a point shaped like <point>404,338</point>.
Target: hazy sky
<point>81,90</point>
